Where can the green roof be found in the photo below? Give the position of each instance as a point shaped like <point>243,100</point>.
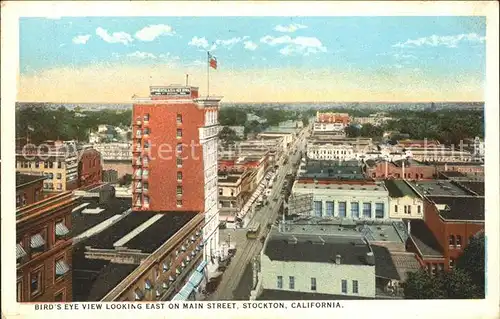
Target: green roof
<point>399,188</point>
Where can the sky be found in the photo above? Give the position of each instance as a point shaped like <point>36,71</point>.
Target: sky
<point>260,59</point>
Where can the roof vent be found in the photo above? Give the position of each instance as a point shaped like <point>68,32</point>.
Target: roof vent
<point>338,259</point>
<point>370,258</point>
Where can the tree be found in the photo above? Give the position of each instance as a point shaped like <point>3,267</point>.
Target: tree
<point>472,262</point>
<point>228,135</point>
<point>125,180</point>
<point>454,284</point>
<point>352,131</point>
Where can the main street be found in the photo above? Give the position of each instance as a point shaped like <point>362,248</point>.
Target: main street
<point>247,249</point>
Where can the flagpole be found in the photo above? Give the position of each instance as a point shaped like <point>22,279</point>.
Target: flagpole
<point>208,73</point>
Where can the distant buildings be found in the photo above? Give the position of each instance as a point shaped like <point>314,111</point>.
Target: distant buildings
<point>407,169</point>
<point>43,242</point>
<point>65,164</point>
<point>331,122</point>
<point>116,156</point>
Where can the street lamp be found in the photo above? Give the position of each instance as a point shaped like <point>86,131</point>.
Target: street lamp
<point>229,241</point>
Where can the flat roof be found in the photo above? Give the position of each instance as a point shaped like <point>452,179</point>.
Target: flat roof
<point>453,174</point>
<point>274,294</point>
<point>405,263</point>
<point>150,239</point>
<point>399,188</point>
<point>424,239</point>
<point>27,179</point>
<point>106,238</point>
<point>476,187</point>
<point>439,188</point>
<point>460,208</point>
<point>228,178</point>
<point>340,186</point>
<point>381,232</point>
<point>302,248</point>
<point>384,265</point>
<point>81,222</point>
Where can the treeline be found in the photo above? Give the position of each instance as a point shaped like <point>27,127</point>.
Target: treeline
<point>50,124</point>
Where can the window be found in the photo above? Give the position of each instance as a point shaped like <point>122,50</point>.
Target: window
<point>61,268</point>
<point>179,118</point>
<point>409,209</point>
<point>36,283</point>
<point>221,191</point>
<point>459,241</point>
<point>355,287</point>
<point>59,186</point>
<point>406,209</point>
<point>37,195</point>
<point>38,242</point>
<point>179,176</point>
<point>313,284</point>
<point>395,208</point>
<point>18,200</point>
<point>344,286</point>
<point>354,210</point>
<point>179,162</point>
<point>179,190</point>
<point>329,208</point>
<point>147,131</point>
<point>451,240</point>
<point>419,209</point>
<point>451,263</point>
<point>59,297</point>
<point>342,209</point>
<point>146,117</point>
<point>179,133</point>
<point>60,229</point>
<point>292,282</point>
<point>318,208</point>
<point>367,210</point>
<point>59,164</point>
<point>179,202</point>
<point>279,283</point>
<point>179,147</point>
<point>23,199</point>
<point>379,210</point>
<point>19,289</point>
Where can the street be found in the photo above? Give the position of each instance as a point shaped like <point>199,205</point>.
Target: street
<point>229,287</point>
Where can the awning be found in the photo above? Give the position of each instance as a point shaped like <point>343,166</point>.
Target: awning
<point>179,297</point>
<point>171,278</point>
<point>165,267</point>
<point>147,284</point>
<point>37,241</point>
<point>186,290</point>
<point>177,271</point>
<point>158,293</point>
<point>193,253</point>
<point>164,285</point>
<point>192,238</point>
<point>183,248</point>
<point>61,267</point>
<point>196,278</point>
<point>20,253</point>
<point>61,229</point>
<point>138,294</point>
<point>201,266</point>
<point>188,259</point>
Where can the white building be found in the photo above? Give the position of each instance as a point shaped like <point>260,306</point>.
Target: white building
<point>102,128</point>
<point>94,138</point>
<point>115,151</point>
<point>323,265</point>
<point>351,200</point>
<point>404,202</point>
<point>327,151</point>
<point>438,154</point>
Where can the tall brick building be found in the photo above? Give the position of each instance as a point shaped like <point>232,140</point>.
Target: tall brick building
<point>175,155</point>
<point>43,242</point>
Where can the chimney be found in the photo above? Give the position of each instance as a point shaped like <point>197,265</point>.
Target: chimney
<point>337,259</point>
<point>187,79</point>
<point>403,172</point>
<point>370,258</point>
<point>386,169</point>
<point>445,167</point>
<point>409,228</point>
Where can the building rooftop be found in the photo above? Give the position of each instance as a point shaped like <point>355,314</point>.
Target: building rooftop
<point>460,208</point>
<point>399,188</point>
<point>384,265</point>
<point>408,163</point>
<point>273,294</point>
<point>439,188</point>
<point>424,239</point>
<point>476,187</point>
<point>151,238</point>
<point>302,248</point>
<point>224,178</point>
<point>23,180</point>
<point>382,232</point>
<point>106,238</point>
<point>339,185</point>
<point>82,221</point>
<point>405,263</point>
<point>453,174</point>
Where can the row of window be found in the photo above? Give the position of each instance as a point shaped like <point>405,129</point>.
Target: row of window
<point>455,241</point>
<point>342,206</point>
<point>46,164</point>
<point>407,209</point>
<point>291,284</point>
<point>36,281</point>
<point>146,118</point>
<point>337,152</point>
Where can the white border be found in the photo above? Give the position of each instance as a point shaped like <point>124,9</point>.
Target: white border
<point>12,10</point>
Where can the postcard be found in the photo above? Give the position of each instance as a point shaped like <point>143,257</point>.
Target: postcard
<point>249,159</point>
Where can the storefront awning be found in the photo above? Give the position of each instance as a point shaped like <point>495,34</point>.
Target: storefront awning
<point>61,229</point>
<point>20,253</point>
<point>61,267</point>
<point>201,266</point>
<point>186,290</point>
<point>196,279</point>
<point>37,241</point>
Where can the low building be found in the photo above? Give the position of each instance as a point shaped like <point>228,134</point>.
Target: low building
<point>408,143</point>
<point>331,170</point>
<point>404,202</point>
<point>89,167</point>
<point>345,199</point>
<point>473,168</point>
<point>43,242</point>
<point>230,195</point>
<point>408,169</point>
<point>115,151</point>
<point>313,264</point>
<point>288,136</point>
<point>438,154</point>
<point>327,122</point>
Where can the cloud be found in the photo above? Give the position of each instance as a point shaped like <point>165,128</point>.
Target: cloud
<point>450,41</point>
<point>230,42</point>
<point>141,55</point>
<point>81,39</point>
<point>249,45</point>
<point>199,42</point>
<point>289,28</point>
<point>152,32</point>
<point>404,56</point>
<point>115,37</point>
<point>294,46</point>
